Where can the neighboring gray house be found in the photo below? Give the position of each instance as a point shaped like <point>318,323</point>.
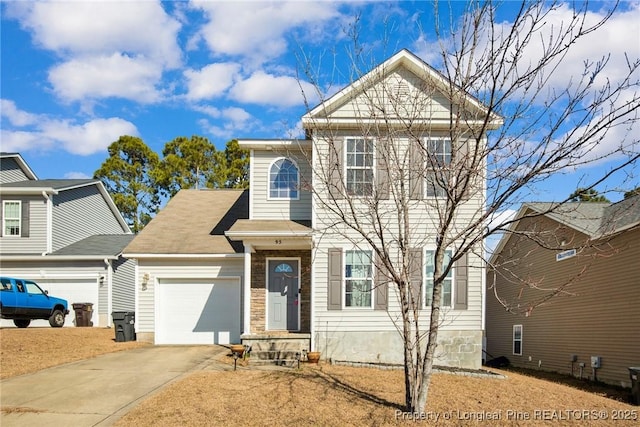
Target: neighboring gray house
<point>597,312</point>
<point>67,235</point>
<point>265,267</point>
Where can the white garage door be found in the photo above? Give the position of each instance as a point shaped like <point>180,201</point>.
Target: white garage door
<point>192,311</point>
<point>72,290</point>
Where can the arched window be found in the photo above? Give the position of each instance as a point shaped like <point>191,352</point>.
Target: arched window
<point>283,268</point>
<point>283,180</point>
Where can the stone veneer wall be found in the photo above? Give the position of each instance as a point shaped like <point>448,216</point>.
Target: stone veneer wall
<point>259,287</point>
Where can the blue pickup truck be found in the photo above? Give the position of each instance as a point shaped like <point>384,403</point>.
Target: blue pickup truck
<point>23,301</point>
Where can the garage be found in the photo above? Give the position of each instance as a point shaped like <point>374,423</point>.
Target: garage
<point>74,291</point>
<point>198,311</point>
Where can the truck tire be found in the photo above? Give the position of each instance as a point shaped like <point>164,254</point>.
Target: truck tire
<point>57,319</point>
<point>21,323</point>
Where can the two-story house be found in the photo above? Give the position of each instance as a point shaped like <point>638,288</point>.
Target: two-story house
<point>278,267</point>
<point>563,290</point>
<point>67,235</point>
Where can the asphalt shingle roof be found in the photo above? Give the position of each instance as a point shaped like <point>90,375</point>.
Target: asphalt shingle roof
<point>56,184</point>
<point>101,244</point>
<point>194,222</point>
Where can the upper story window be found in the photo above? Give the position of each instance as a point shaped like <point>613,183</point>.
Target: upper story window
<point>358,280</point>
<point>359,166</point>
<point>517,340</point>
<point>438,160</point>
<point>284,180</point>
<point>446,299</point>
<point>11,218</point>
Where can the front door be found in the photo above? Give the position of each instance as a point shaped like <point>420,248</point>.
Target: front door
<point>283,294</point>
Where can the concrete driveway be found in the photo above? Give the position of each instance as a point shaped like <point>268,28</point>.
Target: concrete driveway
<point>99,391</point>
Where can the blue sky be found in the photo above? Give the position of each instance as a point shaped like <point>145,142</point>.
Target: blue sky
<point>77,75</point>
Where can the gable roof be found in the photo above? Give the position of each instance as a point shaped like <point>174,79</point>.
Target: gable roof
<point>594,219</point>
<point>104,245</point>
<point>21,163</point>
<point>47,184</point>
<point>193,223</point>
<point>402,59</point>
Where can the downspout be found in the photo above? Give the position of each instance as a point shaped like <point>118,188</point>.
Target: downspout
<point>247,289</point>
<point>109,280</point>
<point>49,223</point>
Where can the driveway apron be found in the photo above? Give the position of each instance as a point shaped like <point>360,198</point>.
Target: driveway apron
<point>97,391</point>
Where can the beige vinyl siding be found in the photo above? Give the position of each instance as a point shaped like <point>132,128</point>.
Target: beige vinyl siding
<point>598,315</point>
<point>123,285</point>
<point>424,102</point>
<point>79,213</point>
<point>10,171</point>
<point>266,208</point>
<point>36,243</point>
<point>177,268</point>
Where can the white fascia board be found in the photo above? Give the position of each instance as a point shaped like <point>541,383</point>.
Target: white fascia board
<point>27,190</point>
<point>426,123</point>
<point>241,235</point>
<point>113,207</point>
<point>167,256</point>
<point>50,257</point>
<point>265,144</point>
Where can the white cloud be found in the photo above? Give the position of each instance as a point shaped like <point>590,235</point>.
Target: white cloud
<point>108,49</point>
<point>90,137</point>
<point>282,91</point>
<point>42,133</point>
<point>258,29</point>
<point>106,76</point>
<point>16,117</point>
<point>97,27</point>
<point>210,81</point>
<point>76,175</point>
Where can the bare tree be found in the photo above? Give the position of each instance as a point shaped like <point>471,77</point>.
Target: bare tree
<point>439,154</point>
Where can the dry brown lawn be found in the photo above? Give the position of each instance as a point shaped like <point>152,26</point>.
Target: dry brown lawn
<point>23,351</point>
<point>342,396</point>
<point>325,395</point>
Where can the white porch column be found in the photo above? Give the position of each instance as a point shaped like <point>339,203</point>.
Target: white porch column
<point>248,249</point>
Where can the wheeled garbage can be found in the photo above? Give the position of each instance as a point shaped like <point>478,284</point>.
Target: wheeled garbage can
<point>123,322</point>
<point>83,311</point>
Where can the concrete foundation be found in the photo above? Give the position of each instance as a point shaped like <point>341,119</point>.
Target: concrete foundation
<point>461,349</point>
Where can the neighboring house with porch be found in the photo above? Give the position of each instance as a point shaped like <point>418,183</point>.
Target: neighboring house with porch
<point>66,235</point>
<point>265,266</point>
<point>590,252</point>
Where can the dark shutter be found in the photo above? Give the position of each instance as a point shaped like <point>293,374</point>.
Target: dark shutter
<point>416,171</point>
<point>334,291</point>
<point>24,231</point>
<point>1,213</point>
<point>415,274</point>
<point>381,287</point>
<point>335,169</point>
<point>465,160</point>
<point>461,276</point>
<point>382,170</point>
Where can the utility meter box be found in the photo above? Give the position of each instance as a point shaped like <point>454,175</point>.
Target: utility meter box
<point>595,361</point>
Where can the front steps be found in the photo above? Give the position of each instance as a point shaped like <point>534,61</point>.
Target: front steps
<point>279,349</point>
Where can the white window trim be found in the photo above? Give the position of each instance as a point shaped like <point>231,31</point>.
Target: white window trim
<point>346,166</point>
<point>513,340</point>
<point>428,168</point>
<point>269,196</point>
<point>344,279</point>
<point>4,219</point>
<point>425,278</point>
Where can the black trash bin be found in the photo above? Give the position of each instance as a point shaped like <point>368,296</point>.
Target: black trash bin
<point>123,324</point>
<point>634,373</point>
<point>84,311</point>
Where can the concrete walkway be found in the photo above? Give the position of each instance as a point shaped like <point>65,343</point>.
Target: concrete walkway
<point>99,391</point>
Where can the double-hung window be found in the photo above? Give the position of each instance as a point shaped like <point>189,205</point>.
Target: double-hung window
<point>358,280</point>
<point>438,161</point>
<point>284,180</point>
<point>446,299</point>
<point>517,340</point>
<point>11,218</point>
<point>359,166</point>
